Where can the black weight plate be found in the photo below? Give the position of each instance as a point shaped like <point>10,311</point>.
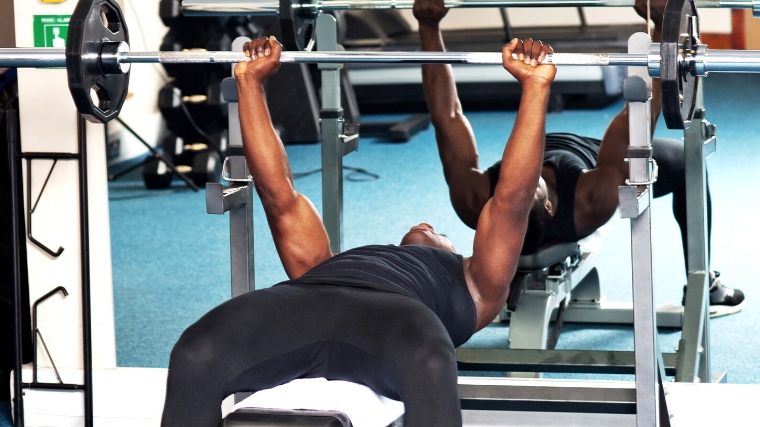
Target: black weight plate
<point>297,25</point>
<point>679,87</point>
<point>92,23</point>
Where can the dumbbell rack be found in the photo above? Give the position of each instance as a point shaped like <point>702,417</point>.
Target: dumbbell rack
<point>187,92</point>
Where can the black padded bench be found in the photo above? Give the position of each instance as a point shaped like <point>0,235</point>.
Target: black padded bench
<point>257,417</point>
<point>548,255</point>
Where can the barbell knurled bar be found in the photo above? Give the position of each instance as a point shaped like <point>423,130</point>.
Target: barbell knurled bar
<point>98,60</point>
<point>718,60</point>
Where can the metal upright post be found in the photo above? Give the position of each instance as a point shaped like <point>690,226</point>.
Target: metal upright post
<point>237,198</point>
<point>331,116</point>
<point>635,200</point>
<point>11,116</point>
<point>693,348</point>
<point>84,232</point>
<point>241,217</point>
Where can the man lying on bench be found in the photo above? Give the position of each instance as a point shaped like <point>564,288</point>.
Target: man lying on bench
<point>388,317</point>
<point>580,176</point>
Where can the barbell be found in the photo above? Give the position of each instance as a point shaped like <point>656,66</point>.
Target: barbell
<point>297,17</point>
<point>98,60</point>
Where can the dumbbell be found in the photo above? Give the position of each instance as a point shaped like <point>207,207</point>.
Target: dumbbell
<point>207,167</point>
<point>198,161</point>
<point>205,109</point>
<point>183,154</point>
<point>155,174</point>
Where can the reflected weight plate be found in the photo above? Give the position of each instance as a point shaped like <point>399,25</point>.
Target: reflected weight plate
<point>98,96</point>
<point>679,87</point>
<point>297,25</point>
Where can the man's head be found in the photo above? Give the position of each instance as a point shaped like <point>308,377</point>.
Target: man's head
<point>424,234</point>
<point>539,219</point>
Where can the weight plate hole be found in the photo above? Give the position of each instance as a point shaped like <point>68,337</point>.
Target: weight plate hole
<point>100,97</point>
<point>109,18</point>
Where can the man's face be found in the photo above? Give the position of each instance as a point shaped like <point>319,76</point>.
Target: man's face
<point>541,198</point>
<point>424,234</point>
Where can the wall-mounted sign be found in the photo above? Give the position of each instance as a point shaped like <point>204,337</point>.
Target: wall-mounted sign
<point>51,30</point>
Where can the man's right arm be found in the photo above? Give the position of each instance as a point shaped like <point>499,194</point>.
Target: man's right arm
<point>298,232</point>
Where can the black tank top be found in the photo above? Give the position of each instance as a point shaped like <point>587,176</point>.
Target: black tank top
<point>432,276</point>
<point>568,155</point>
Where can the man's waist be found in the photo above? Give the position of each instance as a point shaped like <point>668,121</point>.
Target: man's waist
<point>351,281</point>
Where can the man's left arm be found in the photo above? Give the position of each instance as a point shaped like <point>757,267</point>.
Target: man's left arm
<point>597,189</point>
<point>501,228</point>
<point>614,148</point>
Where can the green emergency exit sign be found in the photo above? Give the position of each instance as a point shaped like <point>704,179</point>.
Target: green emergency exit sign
<point>51,30</point>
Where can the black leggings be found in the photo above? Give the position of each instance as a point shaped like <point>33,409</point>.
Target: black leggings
<point>391,343</point>
<point>668,153</point>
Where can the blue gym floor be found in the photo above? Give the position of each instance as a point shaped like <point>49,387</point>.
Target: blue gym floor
<point>171,259</point>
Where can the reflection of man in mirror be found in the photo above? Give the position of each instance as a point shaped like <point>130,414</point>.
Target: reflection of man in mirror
<point>57,40</point>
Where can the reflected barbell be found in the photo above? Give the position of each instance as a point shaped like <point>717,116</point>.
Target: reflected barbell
<point>298,17</point>
<point>98,59</point>
<point>272,7</point>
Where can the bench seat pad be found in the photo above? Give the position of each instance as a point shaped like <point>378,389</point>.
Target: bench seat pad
<point>363,406</point>
<point>547,255</point>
